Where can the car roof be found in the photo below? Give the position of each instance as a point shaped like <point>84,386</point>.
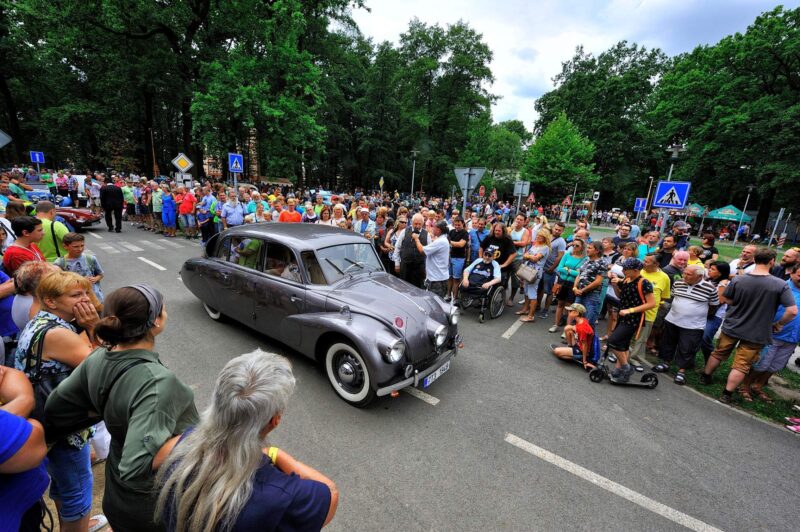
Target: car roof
<point>299,236</point>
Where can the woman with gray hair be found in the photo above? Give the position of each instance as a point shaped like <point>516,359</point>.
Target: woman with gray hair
<point>220,476</point>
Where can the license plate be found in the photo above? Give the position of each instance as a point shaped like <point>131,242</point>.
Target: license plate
<point>436,374</point>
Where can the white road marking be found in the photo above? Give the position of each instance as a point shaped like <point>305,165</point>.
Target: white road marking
<point>180,278</point>
<point>95,235</point>
<point>422,396</point>
<point>511,330</point>
<point>151,244</point>
<point>171,243</point>
<point>108,248</point>
<point>611,486</point>
<point>130,247</point>
<point>153,264</point>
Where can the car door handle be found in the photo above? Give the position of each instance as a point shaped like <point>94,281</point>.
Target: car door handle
<point>295,299</point>
<point>224,276</point>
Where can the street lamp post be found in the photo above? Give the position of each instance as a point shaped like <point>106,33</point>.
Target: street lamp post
<point>741,218</point>
<point>646,201</point>
<point>413,169</point>
<point>569,210</point>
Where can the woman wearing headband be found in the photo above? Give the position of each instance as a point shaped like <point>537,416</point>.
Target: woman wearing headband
<point>144,405</point>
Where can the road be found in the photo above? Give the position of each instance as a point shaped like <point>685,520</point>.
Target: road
<point>508,439</point>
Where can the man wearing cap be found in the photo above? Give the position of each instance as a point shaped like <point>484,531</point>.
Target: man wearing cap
<point>482,274</point>
<point>363,225</point>
<point>290,215</point>
<point>636,298</point>
<point>580,338</point>
<point>437,258</point>
<point>679,231</point>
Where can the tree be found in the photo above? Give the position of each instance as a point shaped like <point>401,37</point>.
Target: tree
<point>495,147</point>
<point>559,157</point>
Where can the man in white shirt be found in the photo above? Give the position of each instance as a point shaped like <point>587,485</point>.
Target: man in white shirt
<point>437,258</point>
<point>745,263</point>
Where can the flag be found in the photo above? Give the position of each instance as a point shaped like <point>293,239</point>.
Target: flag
<point>532,198</point>
<point>567,201</point>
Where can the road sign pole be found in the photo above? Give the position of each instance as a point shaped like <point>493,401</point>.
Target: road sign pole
<point>741,218</point>
<point>775,228</point>
<point>466,189</point>
<point>661,212</point>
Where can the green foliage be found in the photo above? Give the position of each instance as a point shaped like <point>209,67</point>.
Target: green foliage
<point>560,156</point>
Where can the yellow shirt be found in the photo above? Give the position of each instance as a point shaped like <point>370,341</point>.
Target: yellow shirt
<point>692,262</point>
<point>661,291</point>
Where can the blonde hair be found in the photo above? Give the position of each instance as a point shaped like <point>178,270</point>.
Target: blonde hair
<point>697,250</point>
<point>56,284</point>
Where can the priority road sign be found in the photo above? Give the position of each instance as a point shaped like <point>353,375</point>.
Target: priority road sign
<point>5,138</point>
<point>671,194</point>
<point>235,163</point>
<point>37,157</point>
<point>182,163</point>
<point>468,177</point>
<point>640,205</point>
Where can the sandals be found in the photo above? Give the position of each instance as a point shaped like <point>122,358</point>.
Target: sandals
<point>662,367</point>
<point>101,522</point>
<point>761,395</point>
<point>745,393</point>
<point>680,379</point>
<point>521,312</point>
<point>527,319</point>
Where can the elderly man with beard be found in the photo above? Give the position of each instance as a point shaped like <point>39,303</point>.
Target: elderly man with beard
<point>232,213</point>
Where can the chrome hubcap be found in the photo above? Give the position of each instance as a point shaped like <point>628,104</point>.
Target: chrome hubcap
<point>347,373</point>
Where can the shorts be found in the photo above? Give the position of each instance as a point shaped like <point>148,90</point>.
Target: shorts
<point>437,287</point>
<point>71,479</point>
<point>531,289</point>
<point>746,352</point>
<point>187,220</point>
<point>95,202</point>
<point>144,210</point>
<point>456,268</point>
<point>620,338</point>
<point>130,208</point>
<point>775,357</point>
<point>577,354</point>
<point>548,280</point>
<point>565,293</point>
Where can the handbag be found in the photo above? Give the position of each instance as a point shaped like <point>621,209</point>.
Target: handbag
<point>528,273</point>
<point>43,385</point>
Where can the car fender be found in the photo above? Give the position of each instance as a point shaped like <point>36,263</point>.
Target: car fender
<point>367,334</point>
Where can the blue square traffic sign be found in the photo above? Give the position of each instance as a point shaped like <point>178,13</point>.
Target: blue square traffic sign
<point>671,194</point>
<point>37,157</point>
<point>235,163</point>
<point>640,205</point>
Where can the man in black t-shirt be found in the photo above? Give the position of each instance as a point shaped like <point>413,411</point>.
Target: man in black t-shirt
<point>664,253</point>
<point>636,297</point>
<point>502,245</point>
<point>459,239</point>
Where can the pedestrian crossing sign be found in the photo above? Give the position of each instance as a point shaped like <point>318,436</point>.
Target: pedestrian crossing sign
<point>671,194</point>
<point>235,163</point>
<point>182,163</point>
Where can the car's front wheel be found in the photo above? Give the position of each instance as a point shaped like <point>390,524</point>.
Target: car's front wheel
<point>348,374</point>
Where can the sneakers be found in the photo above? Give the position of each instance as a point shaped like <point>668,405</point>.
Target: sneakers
<point>543,315</point>
<point>553,329</point>
<point>554,346</point>
<point>448,299</point>
<point>705,379</point>
<point>623,374</point>
<point>726,398</point>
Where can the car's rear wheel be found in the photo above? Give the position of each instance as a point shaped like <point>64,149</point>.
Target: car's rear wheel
<point>213,313</point>
<point>348,374</point>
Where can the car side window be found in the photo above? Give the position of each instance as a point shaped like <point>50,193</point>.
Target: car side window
<point>313,269</point>
<point>224,249</point>
<point>246,252</point>
<point>280,262</point>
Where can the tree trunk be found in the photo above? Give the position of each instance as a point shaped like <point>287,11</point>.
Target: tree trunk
<point>149,149</point>
<point>13,121</point>
<point>764,208</point>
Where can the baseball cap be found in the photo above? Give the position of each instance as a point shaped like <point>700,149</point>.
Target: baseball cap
<point>632,264</point>
<point>577,307</point>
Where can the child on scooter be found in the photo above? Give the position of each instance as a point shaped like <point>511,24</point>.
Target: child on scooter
<point>580,338</point>
<point>636,297</point>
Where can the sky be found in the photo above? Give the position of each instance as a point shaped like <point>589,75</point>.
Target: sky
<point>530,39</point>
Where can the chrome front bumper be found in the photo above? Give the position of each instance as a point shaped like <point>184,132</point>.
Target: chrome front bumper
<point>418,376</point>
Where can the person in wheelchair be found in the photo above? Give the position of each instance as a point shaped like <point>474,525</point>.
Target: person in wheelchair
<point>481,275</point>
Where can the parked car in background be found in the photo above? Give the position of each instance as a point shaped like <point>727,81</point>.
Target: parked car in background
<point>78,219</point>
<point>323,292</point>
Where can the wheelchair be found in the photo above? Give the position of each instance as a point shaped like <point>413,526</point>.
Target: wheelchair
<point>492,300</point>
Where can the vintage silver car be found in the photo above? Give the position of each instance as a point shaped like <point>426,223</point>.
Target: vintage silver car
<point>323,292</point>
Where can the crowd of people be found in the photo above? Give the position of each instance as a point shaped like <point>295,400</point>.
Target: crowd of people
<point>67,346</point>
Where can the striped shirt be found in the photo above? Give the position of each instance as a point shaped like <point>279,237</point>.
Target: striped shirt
<point>691,302</point>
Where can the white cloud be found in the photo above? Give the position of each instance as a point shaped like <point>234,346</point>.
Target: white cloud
<point>530,39</point>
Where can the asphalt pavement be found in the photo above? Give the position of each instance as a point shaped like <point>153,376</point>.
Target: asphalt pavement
<point>508,439</point>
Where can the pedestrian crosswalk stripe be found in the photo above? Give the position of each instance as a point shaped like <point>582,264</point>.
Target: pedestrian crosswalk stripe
<point>670,198</point>
<point>172,244</point>
<point>151,244</point>
<point>108,248</point>
<point>130,247</point>
<point>95,235</point>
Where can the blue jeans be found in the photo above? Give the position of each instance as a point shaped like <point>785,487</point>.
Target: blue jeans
<point>591,301</point>
<point>71,473</point>
<point>707,345</point>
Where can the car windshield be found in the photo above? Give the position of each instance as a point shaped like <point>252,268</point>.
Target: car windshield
<point>346,259</point>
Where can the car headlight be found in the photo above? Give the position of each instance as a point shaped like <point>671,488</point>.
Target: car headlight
<point>454,314</point>
<point>395,351</point>
<point>440,336</point>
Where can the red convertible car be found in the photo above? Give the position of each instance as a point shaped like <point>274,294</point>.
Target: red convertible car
<point>79,219</point>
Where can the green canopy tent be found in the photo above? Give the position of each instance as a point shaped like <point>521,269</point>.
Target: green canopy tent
<point>729,212</point>
<point>695,209</point>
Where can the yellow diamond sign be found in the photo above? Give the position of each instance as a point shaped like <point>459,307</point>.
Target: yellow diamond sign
<point>182,162</point>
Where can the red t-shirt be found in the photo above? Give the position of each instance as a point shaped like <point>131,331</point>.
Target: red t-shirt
<point>187,204</point>
<point>290,216</point>
<point>15,256</point>
<point>585,334</point>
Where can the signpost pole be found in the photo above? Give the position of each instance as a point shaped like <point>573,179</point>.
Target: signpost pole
<point>775,228</point>
<point>741,218</point>
<point>647,199</point>
<point>467,189</point>
<point>703,221</point>
<point>572,204</point>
